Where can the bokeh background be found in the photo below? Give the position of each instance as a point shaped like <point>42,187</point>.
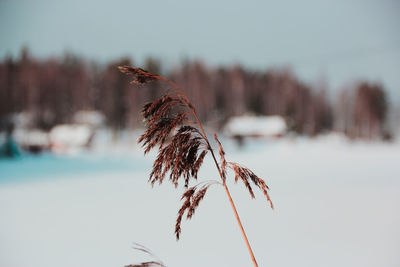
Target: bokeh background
<point>306,94</point>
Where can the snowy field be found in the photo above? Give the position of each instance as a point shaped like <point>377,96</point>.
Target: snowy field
<point>337,204</point>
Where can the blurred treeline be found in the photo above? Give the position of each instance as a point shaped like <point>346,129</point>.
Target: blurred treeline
<point>52,90</point>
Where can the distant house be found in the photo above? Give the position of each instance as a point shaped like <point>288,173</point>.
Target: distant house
<point>255,126</point>
<point>70,138</point>
<point>33,141</point>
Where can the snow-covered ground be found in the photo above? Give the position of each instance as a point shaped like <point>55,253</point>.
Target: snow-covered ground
<point>337,204</point>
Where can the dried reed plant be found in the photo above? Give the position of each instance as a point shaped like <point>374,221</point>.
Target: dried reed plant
<point>155,263</point>
<point>174,129</point>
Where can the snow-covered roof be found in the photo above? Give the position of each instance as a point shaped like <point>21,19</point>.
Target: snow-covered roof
<point>256,125</point>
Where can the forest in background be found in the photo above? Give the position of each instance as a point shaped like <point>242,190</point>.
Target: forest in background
<point>52,90</point>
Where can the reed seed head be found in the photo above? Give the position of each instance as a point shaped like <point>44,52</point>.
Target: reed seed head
<point>182,147</point>
<point>140,76</point>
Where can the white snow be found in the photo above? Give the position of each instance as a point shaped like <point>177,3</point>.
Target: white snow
<point>337,204</point>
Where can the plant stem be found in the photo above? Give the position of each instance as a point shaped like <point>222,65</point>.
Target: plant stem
<point>220,174</point>
<point>236,213</point>
<point>241,226</point>
<point>228,194</point>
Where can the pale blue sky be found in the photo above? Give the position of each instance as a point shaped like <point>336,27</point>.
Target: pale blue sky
<point>340,40</point>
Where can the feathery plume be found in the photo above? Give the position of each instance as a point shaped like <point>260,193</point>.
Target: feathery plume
<point>140,76</point>
<point>147,263</point>
<point>223,163</point>
<point>246,175</point>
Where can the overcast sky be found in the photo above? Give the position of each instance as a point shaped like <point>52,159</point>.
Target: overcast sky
<point>341,41</point>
